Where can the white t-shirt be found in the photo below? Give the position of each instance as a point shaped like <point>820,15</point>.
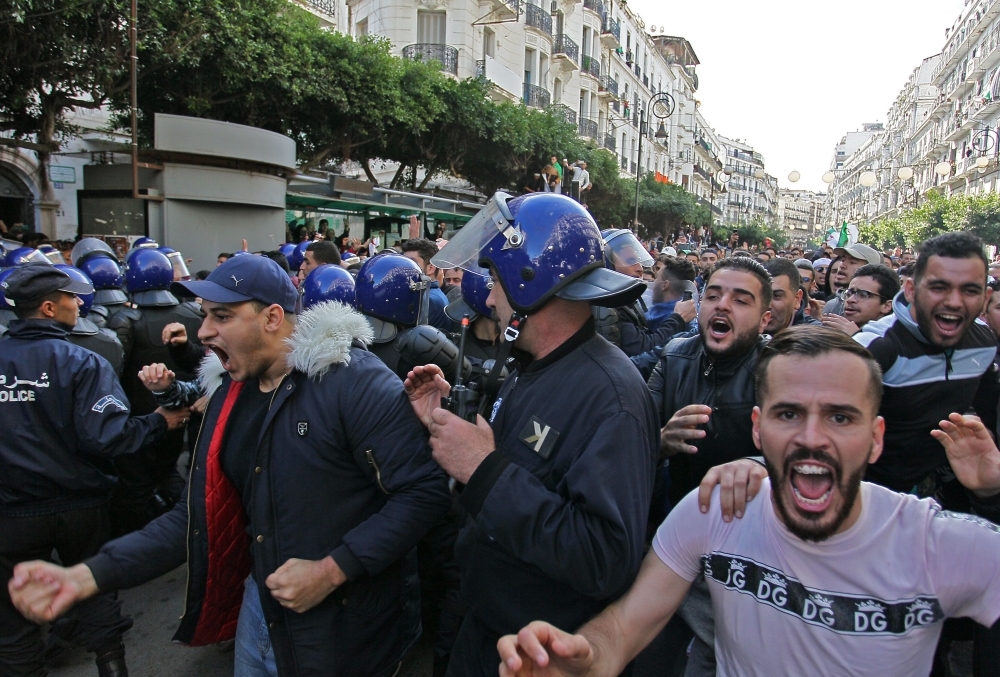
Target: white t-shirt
<point>868,601</point>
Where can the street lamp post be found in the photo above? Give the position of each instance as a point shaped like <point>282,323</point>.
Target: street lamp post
<point>662,106</point>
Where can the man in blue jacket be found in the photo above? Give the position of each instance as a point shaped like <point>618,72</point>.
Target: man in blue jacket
<point>64,417</point>
<point>311,483</point>
<point>558,472</point>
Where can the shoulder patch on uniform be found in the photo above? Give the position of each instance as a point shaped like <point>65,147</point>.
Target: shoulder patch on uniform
<point>303,428</point>
<point>539,437</point>
<point>108,401</point>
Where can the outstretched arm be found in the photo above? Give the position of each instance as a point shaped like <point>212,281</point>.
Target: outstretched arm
<point>973,455</point>
<point>605,645</point>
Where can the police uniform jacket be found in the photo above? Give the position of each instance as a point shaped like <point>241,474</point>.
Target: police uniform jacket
<point>63,416</point>
<point>343,468</point>
<point>557,513</point>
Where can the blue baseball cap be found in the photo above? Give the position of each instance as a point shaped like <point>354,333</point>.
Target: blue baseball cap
<point>243,278</point>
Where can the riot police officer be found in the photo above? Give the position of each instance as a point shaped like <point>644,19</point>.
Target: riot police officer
<point>482,341</point>
<point>6,309</point>
<point>88,335</point>
<point>148,276</point>
<point>626,325</point>
<point>391,292</point>
<point>559,474</point>
<point>99,262</point>
<point>328,282</point>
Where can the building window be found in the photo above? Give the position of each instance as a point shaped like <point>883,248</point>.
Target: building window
<point>489,42</point>
<point>431,27</point>
<point>361,29</point>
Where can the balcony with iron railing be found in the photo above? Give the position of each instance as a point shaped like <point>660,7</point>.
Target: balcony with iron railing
<point>564,113</point>
<point>446,55</point>
<point>611,32</point>
<point>591,66</point>
<point>535,96</point>
<point>608,85</point>
<point>538,18</point>
<point>609,142</point>
<point>594,6</point>
<point>327,7</point>
<point>565,47</point>
<point>588,128</point>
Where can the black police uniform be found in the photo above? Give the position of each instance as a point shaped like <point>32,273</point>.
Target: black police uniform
<point>104,342</point>
<point>140,331</point>
<point>626,327</point>
<point>64,418</point>
<point>557,514</point>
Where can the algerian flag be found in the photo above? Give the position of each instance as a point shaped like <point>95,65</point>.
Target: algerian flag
<point>846,236</point>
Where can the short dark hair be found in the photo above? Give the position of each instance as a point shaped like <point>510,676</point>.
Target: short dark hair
<point>278,258</point>
<point>750,265</point>
<point>777,267</point>
<point>886,277</point>
<point>812,341</point>
<point>325,251</point>
<point>28,309</point>
<point>426,249</point>
<point>224,255</point>
<point>676,270</point>
<point>956,245</point>
<point>906,270</point>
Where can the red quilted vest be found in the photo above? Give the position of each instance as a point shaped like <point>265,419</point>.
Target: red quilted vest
<point>228,543</point>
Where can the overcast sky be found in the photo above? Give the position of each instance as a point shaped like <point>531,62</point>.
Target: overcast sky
<point>791,78</point>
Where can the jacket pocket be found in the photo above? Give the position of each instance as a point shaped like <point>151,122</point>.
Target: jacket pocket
<point>371,596</point>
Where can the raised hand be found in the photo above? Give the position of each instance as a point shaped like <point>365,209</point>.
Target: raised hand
<point>156,377</point>
<point>681,427</point>
<point>43,591</point>
<point>425,386</point>
<point>174,333</point>
<point>301,584</point>
<point>973,454</point>
<point>543,650</point>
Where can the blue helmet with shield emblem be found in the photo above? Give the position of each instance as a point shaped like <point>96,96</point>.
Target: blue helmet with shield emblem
<point>145,243</point>
<point>287,250</point>
<point>298,255</point>
<point>23,256</point>
<point>622,249</point>
<point>328,283</point>
<point>107,277</point>
<point>390,288</point>
<point>541,245</point>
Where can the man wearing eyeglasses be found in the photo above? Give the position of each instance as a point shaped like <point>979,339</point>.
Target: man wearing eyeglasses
<point>868,297</point>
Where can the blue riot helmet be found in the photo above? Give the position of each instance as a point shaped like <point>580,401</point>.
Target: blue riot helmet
<point>22,256</point>
<point>145,243</point>
<point>623,252</point>
<point>297,256</point>
<point>475,289</point>
<point>4,274</point>
<point>89,247</point>
<point>107,277</point>
<point>52,254</point>
<point>389,290</point>
<point>287,250</point>
<point>148,276</point>
<point>80,276</point>
<point>241,253</point>
<point>328,283</point>
<point>177,262</point>
<point>540,245</point>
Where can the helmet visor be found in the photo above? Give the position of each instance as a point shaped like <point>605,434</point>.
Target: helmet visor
<point>626,250</point>
<point>181,271</point>
<point>463,250</point>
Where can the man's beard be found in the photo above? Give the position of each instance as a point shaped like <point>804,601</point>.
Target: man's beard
<point>848,487</point>
<point>925,321</point>
<point>741,344</point>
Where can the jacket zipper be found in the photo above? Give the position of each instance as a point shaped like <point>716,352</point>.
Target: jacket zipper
<point>187,539</point>
<point>378,473</point>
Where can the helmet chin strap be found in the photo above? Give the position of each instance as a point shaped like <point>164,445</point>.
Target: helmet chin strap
<point>492,386</point>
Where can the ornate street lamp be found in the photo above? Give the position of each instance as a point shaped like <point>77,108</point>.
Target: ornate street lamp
<point>662,106</point>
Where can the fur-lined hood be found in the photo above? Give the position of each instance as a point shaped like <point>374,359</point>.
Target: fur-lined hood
<point>323,338</point>
<point>210,373</point>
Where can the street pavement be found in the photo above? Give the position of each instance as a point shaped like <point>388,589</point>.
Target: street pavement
<point>156,607</point>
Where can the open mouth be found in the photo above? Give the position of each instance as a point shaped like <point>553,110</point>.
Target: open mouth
<point>222,355</point>
<point>948,324</point>
<point>812,485</point>
<point>719,328</point>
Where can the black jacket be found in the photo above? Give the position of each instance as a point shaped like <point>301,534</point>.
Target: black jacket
<point>557,513</point>
<point>686,375</point>
<point>63,416</point>
<point>922,385</point>
<point>626,327</point>
<point>344,470</point>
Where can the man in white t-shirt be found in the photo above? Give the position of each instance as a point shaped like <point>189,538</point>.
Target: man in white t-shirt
<point>825,574</point>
